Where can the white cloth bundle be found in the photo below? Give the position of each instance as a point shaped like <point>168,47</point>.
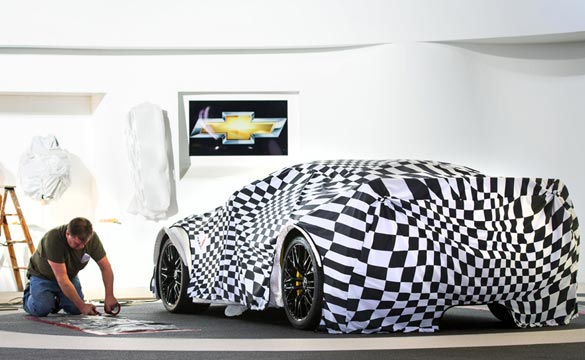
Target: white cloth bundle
<point>44,169</point>
<point>149,166</point>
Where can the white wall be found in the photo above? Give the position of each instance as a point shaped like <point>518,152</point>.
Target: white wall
<point>503,109</point>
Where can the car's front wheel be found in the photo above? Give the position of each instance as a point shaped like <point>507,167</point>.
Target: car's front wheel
<point>173,280</point>
<point>302,285</point>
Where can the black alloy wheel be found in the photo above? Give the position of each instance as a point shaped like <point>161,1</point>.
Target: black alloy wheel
<point>302,285</point>
<point>173,280</point>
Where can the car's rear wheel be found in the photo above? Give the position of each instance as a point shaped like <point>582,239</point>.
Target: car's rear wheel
<point>502,313</point>
<point>173,280</point>
<point>302,285</point>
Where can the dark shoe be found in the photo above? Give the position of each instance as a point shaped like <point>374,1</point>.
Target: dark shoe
<point>57,306</point>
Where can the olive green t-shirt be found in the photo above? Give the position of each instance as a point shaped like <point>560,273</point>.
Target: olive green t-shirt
<point>53,246</point>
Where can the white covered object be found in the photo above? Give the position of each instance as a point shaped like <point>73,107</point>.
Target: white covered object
<point>149,166</point>
<point>44,169</point>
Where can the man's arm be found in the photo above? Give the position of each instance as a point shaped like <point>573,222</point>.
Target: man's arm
<point>108,277</point>
<point>68,289</point>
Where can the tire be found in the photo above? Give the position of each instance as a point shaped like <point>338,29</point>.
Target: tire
<point>502,313</point>
<point>302,285</point>
<point>173,280</point>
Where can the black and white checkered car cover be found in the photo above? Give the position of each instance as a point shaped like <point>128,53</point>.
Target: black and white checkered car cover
<point>400,241</point>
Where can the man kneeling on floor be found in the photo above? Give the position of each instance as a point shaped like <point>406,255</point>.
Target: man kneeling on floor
<point>53,283</point>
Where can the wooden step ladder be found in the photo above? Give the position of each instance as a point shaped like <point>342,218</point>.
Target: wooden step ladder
<point>9,191</point>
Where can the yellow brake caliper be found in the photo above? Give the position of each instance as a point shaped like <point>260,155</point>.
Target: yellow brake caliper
<point>299,283</point>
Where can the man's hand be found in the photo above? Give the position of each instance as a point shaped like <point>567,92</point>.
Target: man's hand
<point>88,309</point>
<point>111,305</point>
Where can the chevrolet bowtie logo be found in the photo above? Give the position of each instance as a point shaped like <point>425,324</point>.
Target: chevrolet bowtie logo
<point>238,128</point>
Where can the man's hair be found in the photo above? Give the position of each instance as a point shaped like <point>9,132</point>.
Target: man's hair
<point>80,228</point>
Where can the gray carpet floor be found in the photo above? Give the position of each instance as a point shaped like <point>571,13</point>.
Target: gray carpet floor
<point>272,324</point>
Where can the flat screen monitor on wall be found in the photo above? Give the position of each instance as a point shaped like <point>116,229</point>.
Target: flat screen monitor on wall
<point>238,127</point>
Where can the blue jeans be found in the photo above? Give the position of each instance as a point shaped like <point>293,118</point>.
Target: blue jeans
<point>43,296</point>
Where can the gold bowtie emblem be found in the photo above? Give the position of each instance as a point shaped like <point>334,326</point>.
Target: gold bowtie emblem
<point>239,128</point>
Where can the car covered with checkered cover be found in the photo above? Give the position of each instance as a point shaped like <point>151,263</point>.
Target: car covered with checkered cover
<point>399,242</point>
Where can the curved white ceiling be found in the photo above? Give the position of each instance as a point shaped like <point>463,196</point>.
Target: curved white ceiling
<point>272,24</point>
